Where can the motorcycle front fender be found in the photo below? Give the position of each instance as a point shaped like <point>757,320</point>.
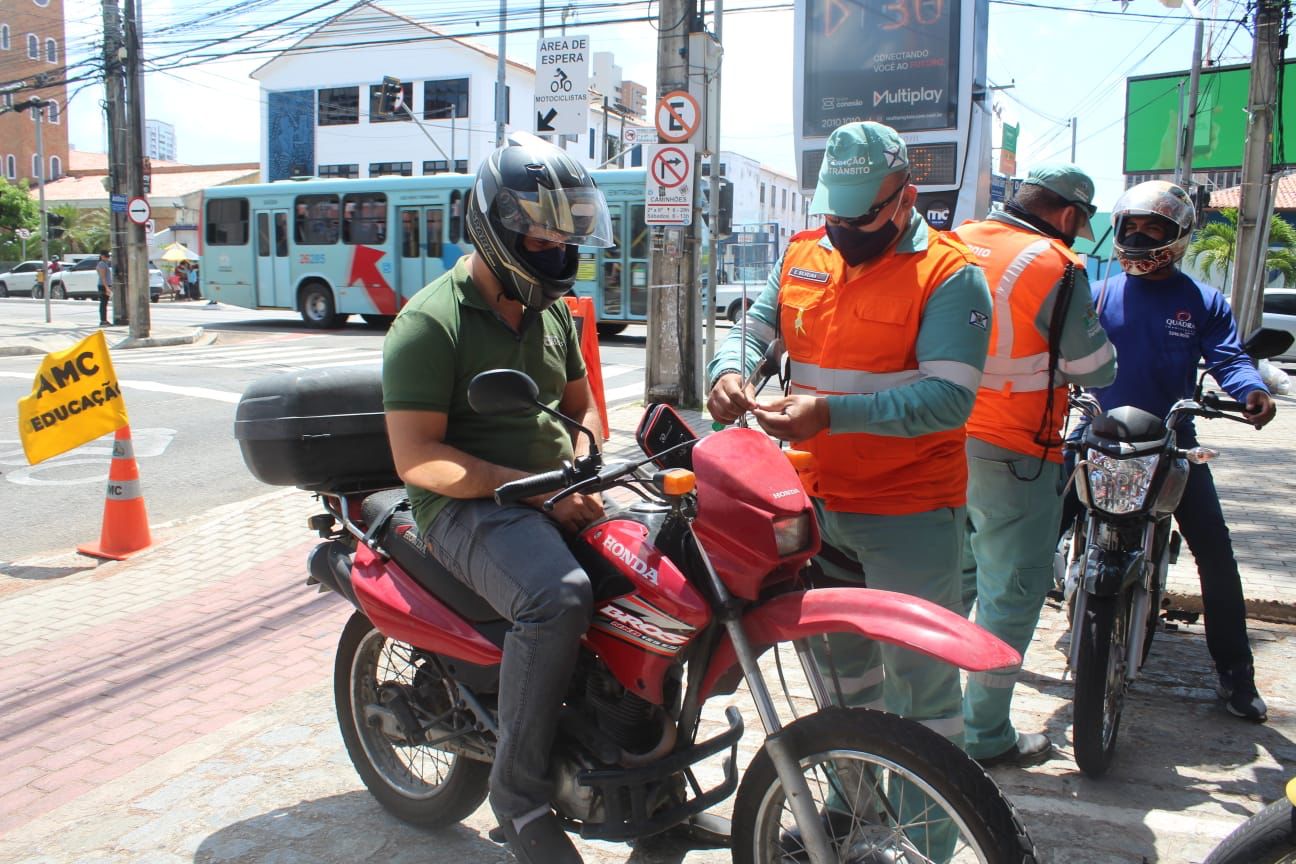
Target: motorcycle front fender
<point>1108,572</point>
<point>885,616</point>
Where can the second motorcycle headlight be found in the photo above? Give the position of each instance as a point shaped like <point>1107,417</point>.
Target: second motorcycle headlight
<point>1120,485</point>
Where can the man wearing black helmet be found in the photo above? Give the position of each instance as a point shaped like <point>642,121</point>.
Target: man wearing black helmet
<point>529,209</point>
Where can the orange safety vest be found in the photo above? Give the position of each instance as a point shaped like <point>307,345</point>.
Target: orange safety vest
<point>855,330</point>
<point>1022,267</point>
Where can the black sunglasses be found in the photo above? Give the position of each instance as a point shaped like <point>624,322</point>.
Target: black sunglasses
<point>869,215</point>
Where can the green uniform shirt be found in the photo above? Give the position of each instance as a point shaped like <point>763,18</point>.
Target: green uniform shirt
<point>444,337</point>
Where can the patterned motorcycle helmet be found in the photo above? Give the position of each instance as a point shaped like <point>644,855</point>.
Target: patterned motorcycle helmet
<point>1139,254</point>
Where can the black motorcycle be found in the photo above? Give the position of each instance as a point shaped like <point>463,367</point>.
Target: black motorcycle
<point>1130,477</point>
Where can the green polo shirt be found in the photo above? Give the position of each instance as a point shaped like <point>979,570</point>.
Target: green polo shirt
<point>445,335</point>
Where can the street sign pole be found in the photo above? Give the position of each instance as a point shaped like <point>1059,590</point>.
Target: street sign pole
<point>38,108</point>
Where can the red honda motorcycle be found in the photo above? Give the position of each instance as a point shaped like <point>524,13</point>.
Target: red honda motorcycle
<point>693,580</point>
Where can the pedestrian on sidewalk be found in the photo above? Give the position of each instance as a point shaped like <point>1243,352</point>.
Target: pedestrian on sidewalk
<point>531,208</point>
<point>1163,323</point>
<point>886,323</point>
<point>1044,336</point>
<point>105,275</point>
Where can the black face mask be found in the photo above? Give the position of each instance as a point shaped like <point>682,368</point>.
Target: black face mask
<point>856,247</point>
<point>1141,241</point>
<point>547,262</point>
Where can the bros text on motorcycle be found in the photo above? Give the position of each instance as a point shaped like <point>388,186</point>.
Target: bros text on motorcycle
<point>698,568</point>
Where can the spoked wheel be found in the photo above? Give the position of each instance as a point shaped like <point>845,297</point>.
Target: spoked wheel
<point>1100,681</point>
<point>890,790</point>
<point>419,784</point>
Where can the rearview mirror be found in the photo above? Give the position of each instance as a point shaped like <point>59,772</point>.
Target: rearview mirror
<point>1267,342</point>
<point>503,391</point>
<point>775,357</point>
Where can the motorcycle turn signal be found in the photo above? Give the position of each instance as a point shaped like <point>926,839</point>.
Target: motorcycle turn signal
<point>675,481</point>
<point>1200,455</point>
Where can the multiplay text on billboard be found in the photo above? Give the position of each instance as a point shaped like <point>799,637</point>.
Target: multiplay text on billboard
<point>893,61</point>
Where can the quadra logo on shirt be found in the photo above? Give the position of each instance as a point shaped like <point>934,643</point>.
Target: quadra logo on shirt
<point>811,275</point>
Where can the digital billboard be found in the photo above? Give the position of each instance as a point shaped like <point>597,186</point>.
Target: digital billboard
<point>1152,120</point>
<point>893,61</point>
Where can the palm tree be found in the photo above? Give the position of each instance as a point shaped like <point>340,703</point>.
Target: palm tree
<point>83,230</point>
<point>1215,245</point>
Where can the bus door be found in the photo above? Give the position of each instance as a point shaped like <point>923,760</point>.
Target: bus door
<point>611,300</point>
<point>274,281</point>
<point>422,247</point>
<point>637,236</point>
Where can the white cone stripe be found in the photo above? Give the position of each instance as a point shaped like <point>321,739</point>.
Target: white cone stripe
<point>123,490</point>
<point>123,449</point>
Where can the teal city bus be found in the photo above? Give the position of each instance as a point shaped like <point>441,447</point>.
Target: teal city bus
<point>339,247</point>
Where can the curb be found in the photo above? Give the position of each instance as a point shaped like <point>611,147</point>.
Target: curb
<point>1269,611</point>
<point>43,345</point>
<point>193,337</point>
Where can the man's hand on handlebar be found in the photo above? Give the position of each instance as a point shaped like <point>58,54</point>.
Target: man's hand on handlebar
<point>730,398</point>
<point>1260,408</point>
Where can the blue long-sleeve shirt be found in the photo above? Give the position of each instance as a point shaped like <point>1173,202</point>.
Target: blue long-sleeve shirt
<point>1161,329</point>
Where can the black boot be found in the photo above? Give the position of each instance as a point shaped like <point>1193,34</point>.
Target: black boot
<point>541,840</point>
<point>1238,690</point>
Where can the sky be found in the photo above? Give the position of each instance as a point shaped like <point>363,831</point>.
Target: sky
<point>1055,61</point>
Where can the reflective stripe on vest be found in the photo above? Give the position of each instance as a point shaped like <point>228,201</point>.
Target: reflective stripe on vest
<point>1003,297</point>
<point>817,380</point>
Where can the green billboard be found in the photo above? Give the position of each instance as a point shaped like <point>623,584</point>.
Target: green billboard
<point>1152,120</point>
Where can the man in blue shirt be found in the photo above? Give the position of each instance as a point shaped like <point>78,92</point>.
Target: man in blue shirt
<point>1162,323</point>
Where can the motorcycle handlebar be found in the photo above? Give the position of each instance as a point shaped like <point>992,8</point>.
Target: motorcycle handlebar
<point>1210,400</point>
<point>527,487</point>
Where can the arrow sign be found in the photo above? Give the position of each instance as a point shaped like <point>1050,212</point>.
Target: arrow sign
<point>544,122</point>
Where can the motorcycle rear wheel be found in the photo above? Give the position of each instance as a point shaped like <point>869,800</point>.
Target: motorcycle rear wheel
<point>898,774</point>
<point>1100,682</point>
<point>1268,837</point>
<point>418,784</point>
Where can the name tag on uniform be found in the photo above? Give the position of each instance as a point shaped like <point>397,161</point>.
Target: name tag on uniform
<point>811,275</point>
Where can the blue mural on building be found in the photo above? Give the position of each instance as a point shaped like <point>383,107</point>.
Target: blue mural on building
<point>291,134</point>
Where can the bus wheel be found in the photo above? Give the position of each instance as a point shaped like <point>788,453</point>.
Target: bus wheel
<point>611,328</point>
<point>317,309</point>
<point>378,322</point>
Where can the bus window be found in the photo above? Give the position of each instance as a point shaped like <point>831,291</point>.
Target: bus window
<point>409,234</point>
<point>365,218</point>
<point>638,232</point>
<point>227,221</point>
<point>456,216</point>
<point>263,235</point>
<point>317,220</point>
<point>435,220</point>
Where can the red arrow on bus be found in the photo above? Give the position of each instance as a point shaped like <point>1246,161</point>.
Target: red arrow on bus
<point>364,269</point>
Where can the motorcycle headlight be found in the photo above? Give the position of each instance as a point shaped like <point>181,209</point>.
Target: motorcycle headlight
<point>791,534</point>
<point>1120,485</point>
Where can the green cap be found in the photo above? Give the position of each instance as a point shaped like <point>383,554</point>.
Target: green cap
<point>858,158</point>
<point>1071,184</point>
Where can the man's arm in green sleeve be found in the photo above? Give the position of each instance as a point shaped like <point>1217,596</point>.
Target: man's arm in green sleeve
<point>952,343</point>
<point>1086,357</point>
<point>762,319</point>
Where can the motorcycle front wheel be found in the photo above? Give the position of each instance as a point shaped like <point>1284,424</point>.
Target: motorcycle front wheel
<point>416,783</point>
<point>889,789</point>
<point>1268,837</point>
<point>1100,681</point>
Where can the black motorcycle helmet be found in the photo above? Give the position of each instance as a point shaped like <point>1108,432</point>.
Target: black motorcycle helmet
<point>531,188</point>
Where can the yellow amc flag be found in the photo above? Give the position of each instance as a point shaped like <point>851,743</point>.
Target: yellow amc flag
<point>74,399</point>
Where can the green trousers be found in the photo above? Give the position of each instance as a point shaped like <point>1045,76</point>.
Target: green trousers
<point>915,554</point>
<point>1011,534</point>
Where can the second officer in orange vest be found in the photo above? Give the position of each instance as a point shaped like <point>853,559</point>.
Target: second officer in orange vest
<point>1045,335</point>
<point>886,323</point>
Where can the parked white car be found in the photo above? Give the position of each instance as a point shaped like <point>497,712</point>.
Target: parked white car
<point>20,281</point>
<point>1279,312</point>
<point>81,281</point>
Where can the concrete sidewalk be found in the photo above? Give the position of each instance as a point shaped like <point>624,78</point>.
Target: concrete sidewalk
<point>37,337</point>
<point>177,707</point>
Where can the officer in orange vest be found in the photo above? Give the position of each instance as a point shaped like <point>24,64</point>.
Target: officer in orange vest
<point>886,323</point>
<point>1044,336</point>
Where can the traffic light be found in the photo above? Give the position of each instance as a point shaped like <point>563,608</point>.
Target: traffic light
<point>390,97</point>
<point>55,223</point>
<point>1201,202</point>
<point>725,212</point>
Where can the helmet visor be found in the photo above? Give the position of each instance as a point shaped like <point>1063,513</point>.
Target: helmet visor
<point>575,216</point>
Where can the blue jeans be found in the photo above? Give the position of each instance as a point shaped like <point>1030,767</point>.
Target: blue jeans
<point>516,559</point>
<point>1201,522</point>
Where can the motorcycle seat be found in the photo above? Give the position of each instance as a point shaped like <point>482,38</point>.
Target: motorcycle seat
<point>400,538</point>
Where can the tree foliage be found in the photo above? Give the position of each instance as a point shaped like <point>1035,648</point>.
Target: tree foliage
<point>17,210</point>
<point>1214,247</point>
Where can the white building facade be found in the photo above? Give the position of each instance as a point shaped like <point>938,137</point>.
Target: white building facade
<point>159,140</point>
<point>317,97</point>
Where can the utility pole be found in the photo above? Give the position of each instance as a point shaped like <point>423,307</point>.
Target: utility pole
<point>1073,139</point>
<point>115,115</point>
<point>501,99</point>
<point>1183,173</point>
<point>712,111</point>
<point>1256,204</point>
<point>674,358</point>
<point>137,287</point>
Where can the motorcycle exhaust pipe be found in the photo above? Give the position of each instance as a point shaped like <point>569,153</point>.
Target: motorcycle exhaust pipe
<point>329,565</point>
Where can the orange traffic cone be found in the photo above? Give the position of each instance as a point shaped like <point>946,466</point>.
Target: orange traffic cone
<point>125,523</point>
